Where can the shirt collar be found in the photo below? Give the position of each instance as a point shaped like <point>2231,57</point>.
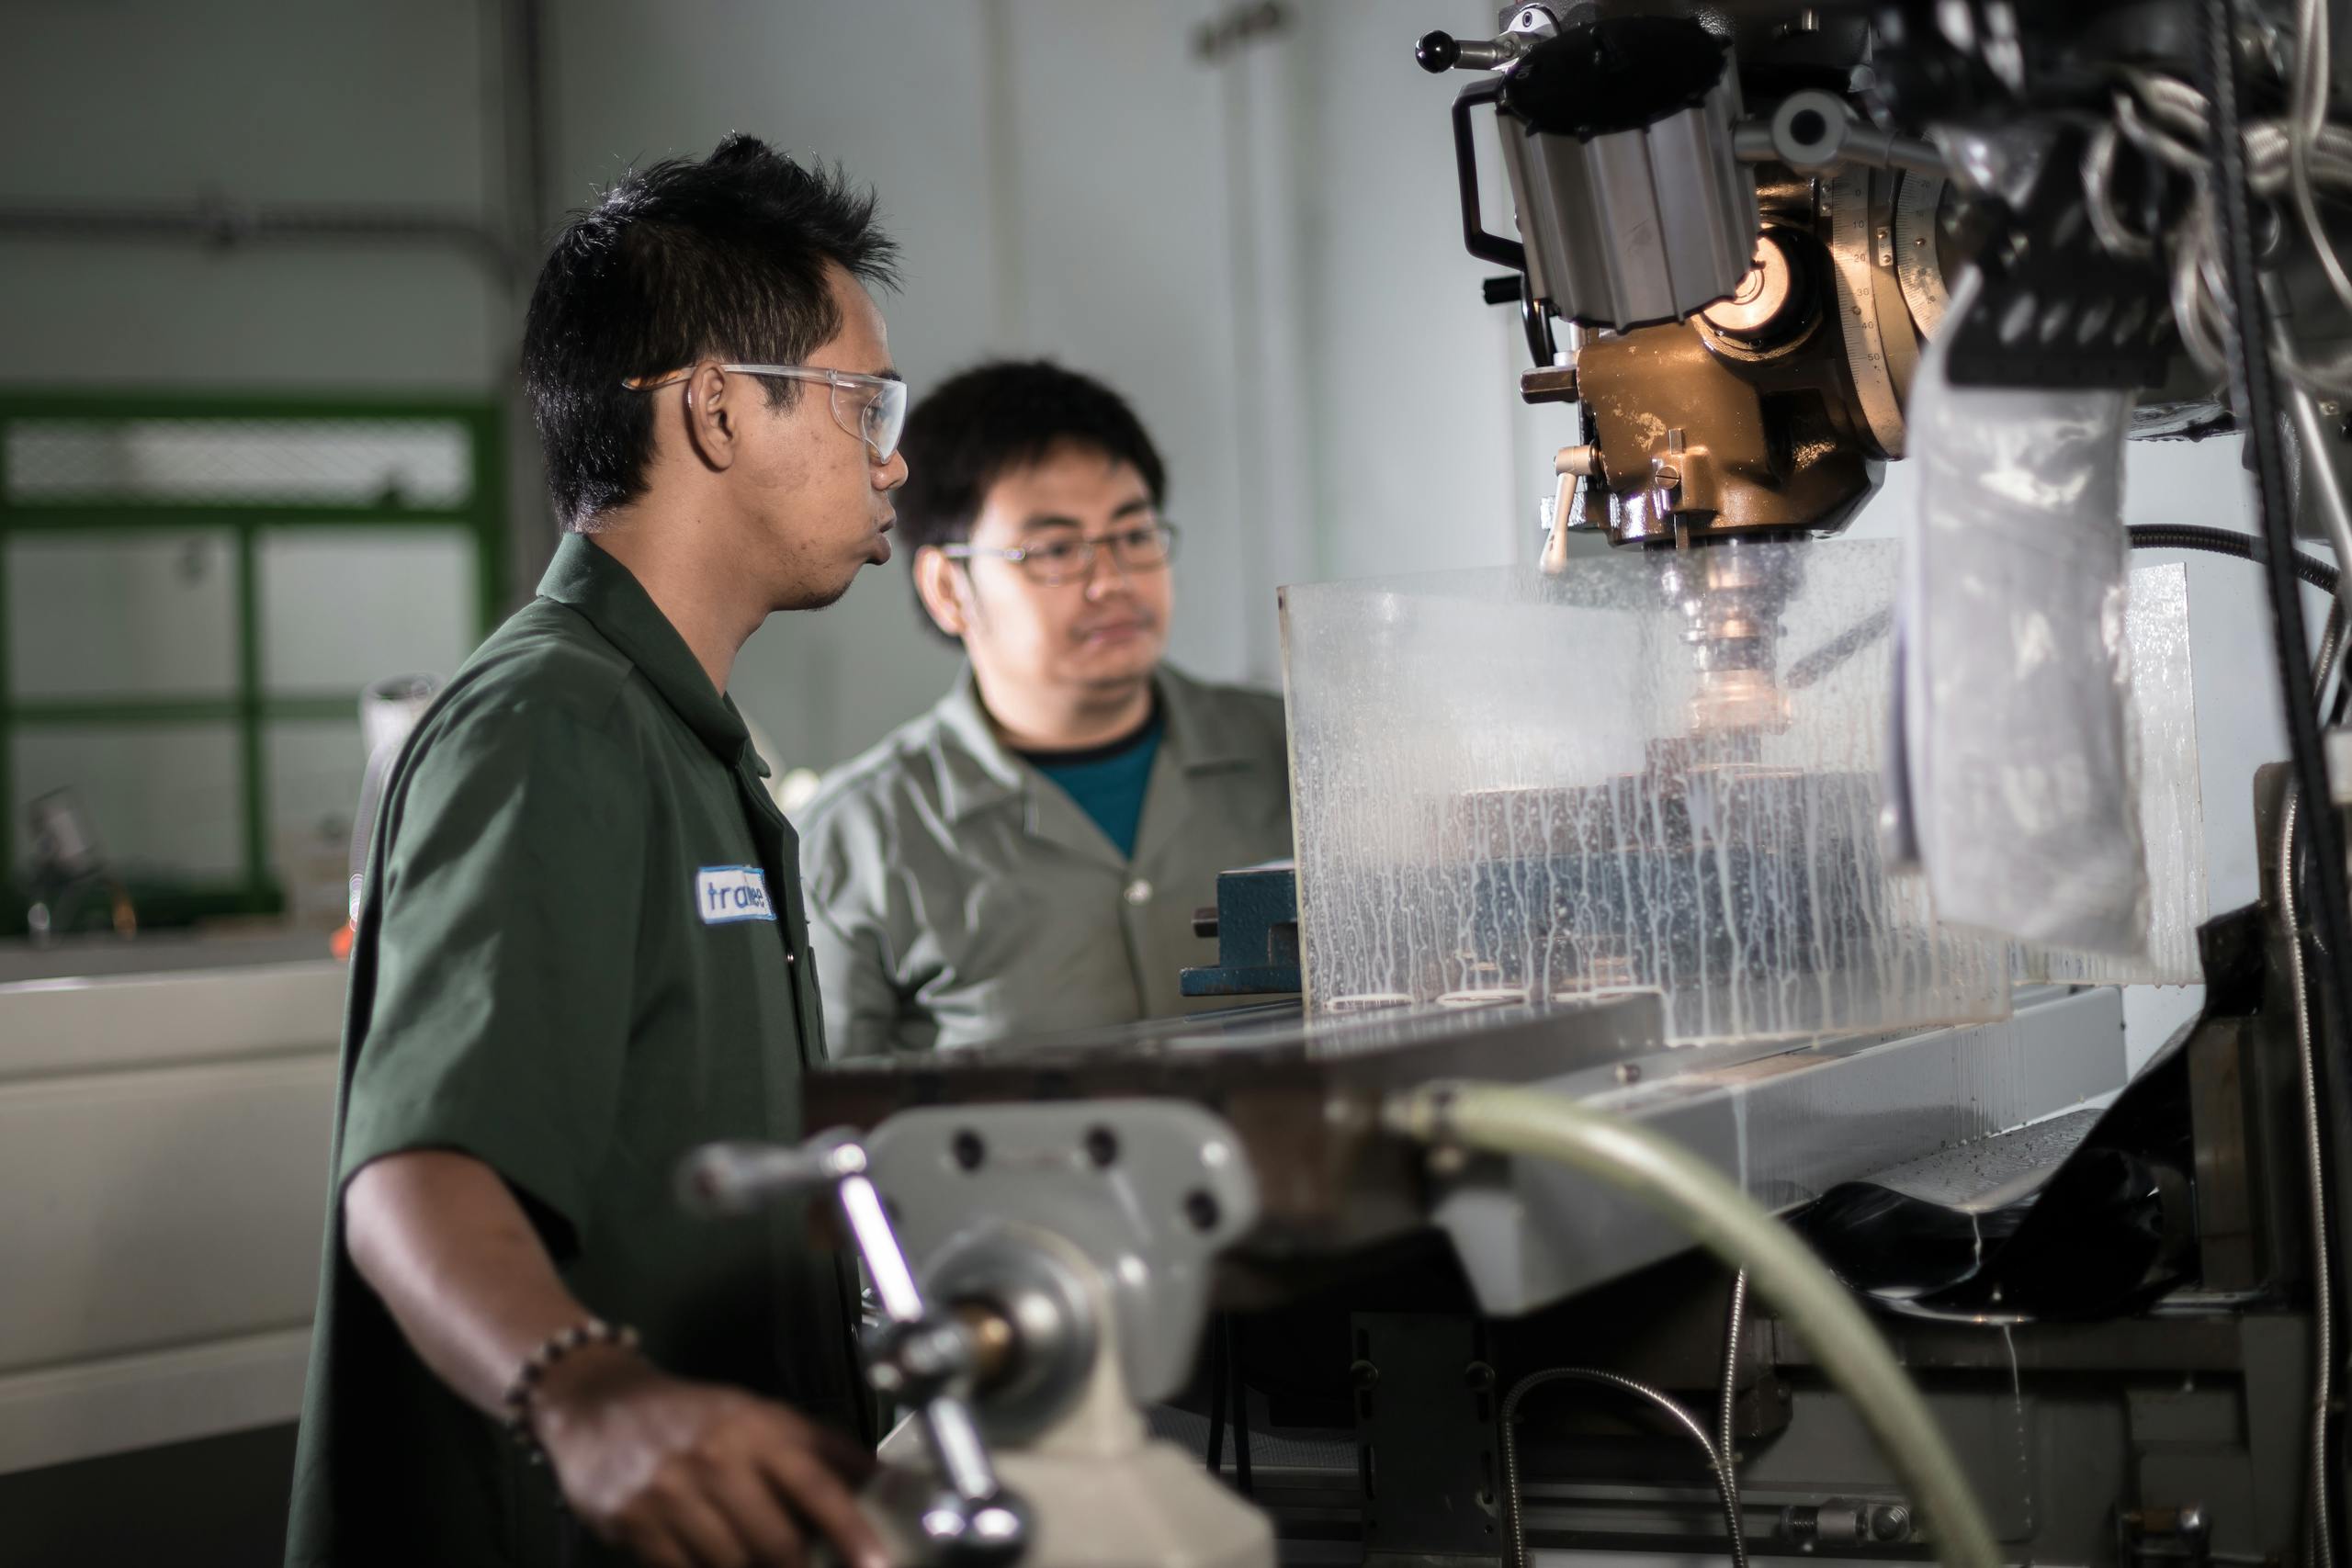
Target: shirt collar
<point>1201,734</point>
<point>978,770</point>
<point>584,577</point>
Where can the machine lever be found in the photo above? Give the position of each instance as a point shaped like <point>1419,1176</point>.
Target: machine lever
<point>920,1357</point>
<point>1486,246</point>
<point>1441,52</point>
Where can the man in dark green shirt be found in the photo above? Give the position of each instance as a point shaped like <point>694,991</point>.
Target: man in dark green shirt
<point>583,950</point>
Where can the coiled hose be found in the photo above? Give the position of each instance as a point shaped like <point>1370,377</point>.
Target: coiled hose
<point>1733,1319</point>
<point>1513,1517</point>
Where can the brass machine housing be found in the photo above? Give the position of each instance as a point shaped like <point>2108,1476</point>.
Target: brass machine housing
<point>1772,410</point>
<point>1718,401</point>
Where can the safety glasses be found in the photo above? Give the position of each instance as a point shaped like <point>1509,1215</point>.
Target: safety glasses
<point>872,408</point>
<point>1067,557</point>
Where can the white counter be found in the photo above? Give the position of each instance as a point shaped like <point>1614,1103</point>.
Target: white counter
<point>164,1115</point>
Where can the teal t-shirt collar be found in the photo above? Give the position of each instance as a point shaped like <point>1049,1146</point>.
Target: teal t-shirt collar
<point>1108,782</point>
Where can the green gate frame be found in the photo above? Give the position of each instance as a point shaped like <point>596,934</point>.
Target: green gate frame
<point>483,515</point>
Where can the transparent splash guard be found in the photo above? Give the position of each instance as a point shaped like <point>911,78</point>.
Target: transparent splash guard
<point>1661,771</point>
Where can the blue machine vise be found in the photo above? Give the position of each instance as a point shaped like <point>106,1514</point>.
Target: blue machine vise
<point>1256,926</point>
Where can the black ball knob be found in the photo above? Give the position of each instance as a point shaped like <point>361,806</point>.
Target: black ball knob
<point>1438,52</point>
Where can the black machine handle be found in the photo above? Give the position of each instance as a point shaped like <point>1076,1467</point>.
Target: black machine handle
<point>1486,247</point>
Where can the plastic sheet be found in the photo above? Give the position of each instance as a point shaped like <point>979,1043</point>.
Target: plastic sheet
<point>1659,769</point>
<point>2013,780</point>
<point>2161,741</point>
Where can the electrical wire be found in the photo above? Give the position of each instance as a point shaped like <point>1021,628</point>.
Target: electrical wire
<point>2253,393</point>
<point>2321,1547</point>
<point>1514,1523</point>
<point>2306,125</point>
<point>2296,158</point>
<point>1241,1476</point>
<point>2222,541</point>
<point>2099,198</point>
<point>1822,660</point>
<point>2225,542</point>
<point>1218,1382</point>
<point>1693,1195</point>
<point>2322,1544</point>
<point>2246,338</point>
<point>1729,1396</point>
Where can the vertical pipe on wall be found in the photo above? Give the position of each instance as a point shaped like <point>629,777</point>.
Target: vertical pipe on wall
<point>515,113</point>
<point>1267,396</point>
<point>1009,329</point>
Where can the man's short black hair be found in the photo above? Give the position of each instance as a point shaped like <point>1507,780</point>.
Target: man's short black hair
<point>978,426</point>
<point>682,259</point>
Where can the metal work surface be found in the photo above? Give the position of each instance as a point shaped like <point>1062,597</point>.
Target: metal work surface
<point>2005,1168</point>
<point>1788,1121</point>
<point>1302,1098</point>
<point>1787,1124</point>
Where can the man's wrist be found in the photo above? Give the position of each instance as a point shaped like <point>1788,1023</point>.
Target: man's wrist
<point>569,1372</point>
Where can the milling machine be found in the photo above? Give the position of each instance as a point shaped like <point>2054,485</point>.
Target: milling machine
<point>1747,238</point>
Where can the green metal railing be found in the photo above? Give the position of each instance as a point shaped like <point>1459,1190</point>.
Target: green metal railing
<point>249,706</point>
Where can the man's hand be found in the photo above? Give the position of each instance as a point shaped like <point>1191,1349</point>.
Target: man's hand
<point>686,1475</point>
<point>693,1475</point>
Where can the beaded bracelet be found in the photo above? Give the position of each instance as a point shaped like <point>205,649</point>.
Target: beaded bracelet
<point>522,1394</point>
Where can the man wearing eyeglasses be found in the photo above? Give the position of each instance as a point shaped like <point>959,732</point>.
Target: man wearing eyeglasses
<point>582,950</point>
<point>1027,856</point>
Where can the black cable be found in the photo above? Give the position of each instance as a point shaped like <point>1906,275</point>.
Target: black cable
<point>2245,338</point>
<point>1838,649</point>
<point>1232,1332</point>
<point>2225,542</point>
<point>1216,1398</point>
<point>2251,389</point>
<point>2144,536</point>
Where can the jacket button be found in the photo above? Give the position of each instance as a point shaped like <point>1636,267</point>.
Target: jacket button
<point>1138,891</point>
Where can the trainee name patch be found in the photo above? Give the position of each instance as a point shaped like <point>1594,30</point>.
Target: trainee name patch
<point>725,894</point>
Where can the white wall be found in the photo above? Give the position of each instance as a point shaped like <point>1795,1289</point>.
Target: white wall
<point>1415,379</point>
<point>1064,179</point>
<point>149,102</point>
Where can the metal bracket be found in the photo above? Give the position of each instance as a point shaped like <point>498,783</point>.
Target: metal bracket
<point>1149,1191</point>
<point>1426,1440</point>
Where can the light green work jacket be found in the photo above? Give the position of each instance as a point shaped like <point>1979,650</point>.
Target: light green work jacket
<point>958,895</point>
